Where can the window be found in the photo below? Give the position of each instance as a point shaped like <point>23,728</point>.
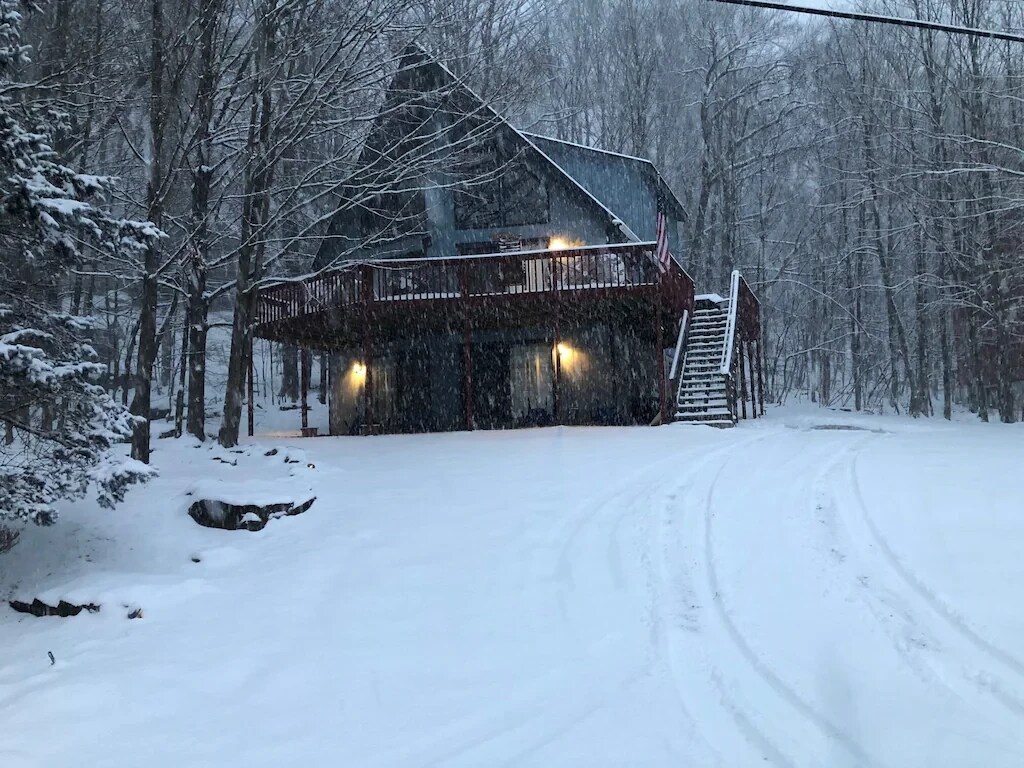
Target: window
<point>498,190</point>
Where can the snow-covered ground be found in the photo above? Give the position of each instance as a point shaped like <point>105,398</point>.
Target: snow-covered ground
<point>780,593</point>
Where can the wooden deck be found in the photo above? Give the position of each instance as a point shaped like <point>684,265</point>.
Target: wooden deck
<point>362,303</point>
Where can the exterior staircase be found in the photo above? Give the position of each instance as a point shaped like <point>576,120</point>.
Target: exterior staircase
<point>704,395</point>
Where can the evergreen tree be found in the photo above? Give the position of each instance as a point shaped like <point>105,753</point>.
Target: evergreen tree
<point>59,421</point>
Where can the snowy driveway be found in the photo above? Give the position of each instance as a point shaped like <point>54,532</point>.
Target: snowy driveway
<point>775,594</point>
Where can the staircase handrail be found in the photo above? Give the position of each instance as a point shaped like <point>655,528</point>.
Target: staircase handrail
<point>674,371</point>
<point>730,324</point>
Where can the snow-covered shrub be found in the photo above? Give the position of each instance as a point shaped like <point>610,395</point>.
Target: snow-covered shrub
<point>59,423</point>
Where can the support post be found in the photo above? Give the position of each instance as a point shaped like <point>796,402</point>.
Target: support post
<point>324,367</point>
<point>659,359</point>
<point>752,373</point>
<point>366,299</point>
<point>760,374</point>
<point>367,386</point>
<point>251,406</point>
<point>743,380</point>
<point>304,378</point>
<point>467,372</point>
<point>556,384</point>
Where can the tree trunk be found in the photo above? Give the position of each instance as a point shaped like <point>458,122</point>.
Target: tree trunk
<point>179,403</point>
<point>202,176</point>
<point>255,210</point>
<point>142,400</point>
<point>197,330</point>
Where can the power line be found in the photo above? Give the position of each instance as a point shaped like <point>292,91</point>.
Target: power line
<point>895,21</point>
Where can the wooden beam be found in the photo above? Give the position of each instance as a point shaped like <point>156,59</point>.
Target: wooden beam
<point>367,385</point>
<point>760,375</point>
<point>304,378</point>
<point>659,360</point>
<point>751,372</point>
<point>556,380</point>
<point>250,390</point>
<point>467,372</point>
<point>743,380</point>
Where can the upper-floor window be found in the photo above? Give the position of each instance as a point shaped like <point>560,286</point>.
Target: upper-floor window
<point>392,215</point>
<point>498,189</point>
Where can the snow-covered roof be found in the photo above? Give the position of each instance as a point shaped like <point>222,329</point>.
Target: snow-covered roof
<point>627,184</point>
<point>586,147</point>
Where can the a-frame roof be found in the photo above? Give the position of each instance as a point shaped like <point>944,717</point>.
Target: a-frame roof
<point>451,79</point>
<point>419,70</point>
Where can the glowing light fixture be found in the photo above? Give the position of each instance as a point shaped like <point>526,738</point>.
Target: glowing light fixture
<point>359,371</point>
<point>564,350</point>
<point>558,243</point>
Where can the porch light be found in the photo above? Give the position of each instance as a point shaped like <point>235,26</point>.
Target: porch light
<point>565,352</point>
<point>359,371</point>
<point>558,243</point>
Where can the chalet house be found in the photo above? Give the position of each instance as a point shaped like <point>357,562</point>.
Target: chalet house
<point>507,279</point>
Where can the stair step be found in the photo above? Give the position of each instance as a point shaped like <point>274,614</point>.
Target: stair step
<point>708,338</point>
<point>717,414</point>
<point>715,401</point>
<point>703,380</point>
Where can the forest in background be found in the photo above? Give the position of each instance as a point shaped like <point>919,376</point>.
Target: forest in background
<point>867,180</point>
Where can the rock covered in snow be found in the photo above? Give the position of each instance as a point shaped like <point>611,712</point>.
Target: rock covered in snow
<point>214,513</point>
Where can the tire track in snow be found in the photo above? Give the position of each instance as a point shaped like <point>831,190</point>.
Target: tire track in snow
<point>663,619</point>
<point>524,717</point>
<point>897,621</point>
<point>625,503</point>
<point>682,642</point>
<point>908,638</point>
<point>786,693</point>
<point>863,527</point>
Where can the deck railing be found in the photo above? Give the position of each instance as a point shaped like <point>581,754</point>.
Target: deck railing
<point>576,270</point>
<point>743,320</point>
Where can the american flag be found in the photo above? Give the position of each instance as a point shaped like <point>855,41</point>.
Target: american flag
<point>661,236</point>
